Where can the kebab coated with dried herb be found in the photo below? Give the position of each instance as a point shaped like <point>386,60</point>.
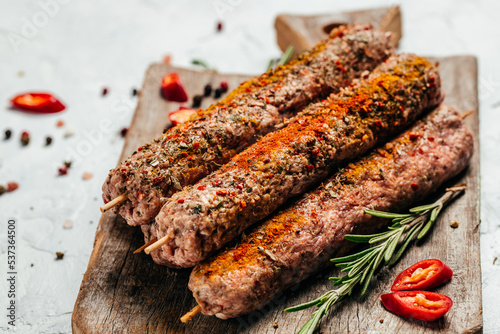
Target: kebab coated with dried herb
<point>202,218</point>
<point>190,151</point>
<point>300,240</point>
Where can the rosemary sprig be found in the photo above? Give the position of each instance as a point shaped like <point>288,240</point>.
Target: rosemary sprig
<point>361,266</point>
<point>285,58</point>
<point>203,64</point>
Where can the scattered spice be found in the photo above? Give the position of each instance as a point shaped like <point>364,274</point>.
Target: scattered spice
<point>104,91</point>
<point>67,164</point>
<point>8,134</point>
<point>25,138</point>
<point>381,321</point>
<point>32,265</point>
<point>218,93</point>
<point>197,101</point>
<point>62,171</point>
<point>123,132</point>
<point>454,224</point>
<point>134,91</point>
<point>3,191</point>
<point>70,131</point>
<point>59,255</point>
<point>207,91</point>
<point>167,59</point>
<point>495,260</point>
<point>48,140</point>
<point>219,26</point>
<point>68,224</point>
<point>60,123</point>
<point>224,86</point>
<point>275,324</point>
<point>87,176</point>
<point>11,186</point>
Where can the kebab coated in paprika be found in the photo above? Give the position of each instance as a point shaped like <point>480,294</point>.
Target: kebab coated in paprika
<point>423,275</point>
<point>301,239</point>
<point>285,162</point>
<point>190,151</point>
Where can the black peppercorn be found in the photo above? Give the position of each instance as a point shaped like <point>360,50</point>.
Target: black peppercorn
<point>8,133</point>
<point>207,91</point>
<point>48,141</point>
<point>218,93</point>
<point>197,101</point>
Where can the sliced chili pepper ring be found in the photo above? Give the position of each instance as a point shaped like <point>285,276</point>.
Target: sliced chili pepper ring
<point>423,275</point>
<point>43,103</point>
<point>417,304</point>
<point>180,116</point>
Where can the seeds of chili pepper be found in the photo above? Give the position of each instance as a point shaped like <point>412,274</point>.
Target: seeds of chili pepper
<point>104,91</point>
<point>48,141</point>
<point>25,138</point>
<point>123,132</point>
<point>217,93</point>
<point>8,134</point>
<point>197,101</point>
<point>11,186</point>
<point>207,91</point>
<point>60,123</point>
<point>62,171</point>
<point>219,26</point>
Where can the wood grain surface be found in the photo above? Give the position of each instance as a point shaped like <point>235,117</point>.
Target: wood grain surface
<point>126,293</point>
<point>305,31</point>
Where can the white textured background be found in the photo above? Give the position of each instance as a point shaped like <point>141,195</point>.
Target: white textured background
<point>83,46</point>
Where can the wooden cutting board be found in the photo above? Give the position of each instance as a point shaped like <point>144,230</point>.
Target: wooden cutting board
<point>122,292</point>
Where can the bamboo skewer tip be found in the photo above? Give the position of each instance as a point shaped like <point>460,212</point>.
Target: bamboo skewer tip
<point>114,202</point>
<point>157,244</point>
<point>150,242</point>
<point>467,113</point>
<point>188,316</point>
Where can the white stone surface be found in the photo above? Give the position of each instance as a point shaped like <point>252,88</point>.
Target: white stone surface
<point>83,46</point>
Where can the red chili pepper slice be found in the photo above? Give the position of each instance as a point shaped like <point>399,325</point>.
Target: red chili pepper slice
<point>417,304</point>
<point>180,116</point>
<point>43,103</point>
<point>423,275</point>
<point>172,88</point>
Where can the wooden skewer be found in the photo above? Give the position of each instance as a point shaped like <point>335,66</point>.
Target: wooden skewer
<point>188,316</point>
<point>467,114</point>
<point>150,242</point>
<point>114,202</point>
<point>157,244</point>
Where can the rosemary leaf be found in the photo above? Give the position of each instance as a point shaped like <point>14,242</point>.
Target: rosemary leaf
<point>383,214</point>
<point>350,257</point>
<point>286,56</point>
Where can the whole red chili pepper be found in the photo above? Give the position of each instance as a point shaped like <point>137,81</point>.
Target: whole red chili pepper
<point>43,103</point>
